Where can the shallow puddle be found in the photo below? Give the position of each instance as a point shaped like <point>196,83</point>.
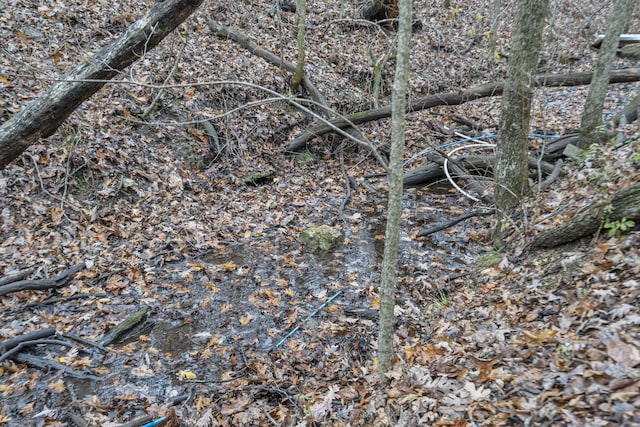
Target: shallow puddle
<point>216,311</point>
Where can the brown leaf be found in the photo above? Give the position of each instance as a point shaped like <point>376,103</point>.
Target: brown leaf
<point>623,353</point>
<point>238,405</point>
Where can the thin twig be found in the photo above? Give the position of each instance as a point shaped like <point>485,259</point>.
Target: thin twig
<point>151,106</point>
<point>297,328</point>
<point>15,350</point>
<point>347,184</point>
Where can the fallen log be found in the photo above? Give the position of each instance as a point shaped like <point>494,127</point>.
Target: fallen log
<point>454,221</point>
<point>433,172</point>
<point>482,91</point>
<point>624,203</point>
<point>42,117</point>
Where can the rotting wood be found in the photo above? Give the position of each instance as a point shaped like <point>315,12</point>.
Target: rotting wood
<point>132,324</point>
<point>43,116</point>
<point>624,203</point>
<point>57,282</point>
<point>478,92</point>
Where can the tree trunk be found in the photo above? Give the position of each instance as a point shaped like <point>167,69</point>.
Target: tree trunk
<point>591,121</point>
<point>512,146</point>
<point>42,117</point>
<point>301,9</point>
<point>394,210</point>
<point>385,11</point>
<point>624,203</point>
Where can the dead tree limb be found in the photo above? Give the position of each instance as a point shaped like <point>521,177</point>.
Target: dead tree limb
<point>455,221</point>
<point>41,363</point>
<point>18,275</point>
<point>628,114</point>
<point>482,91</point>
<point>58,281</point>
<point>433,172</point>
<point>253,47</point>
<point>325,111</point>
<point>43,116</point>
<point>10,343</point>
<point>17,349</point>
<point>624,203</point>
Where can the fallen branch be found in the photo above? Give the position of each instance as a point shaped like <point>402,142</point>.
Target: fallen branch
<point>39,362</point>
<point>10,349</point>
<point>56,282</point>
<point>88,343</point>
<point>552,176</point>
<point>455,221</point>
<point>18,275</point>
<point>246,42</point>
<point>10,343</point>
<point>434,171</point>
<point>317,96</point>
<point>17,349</point>
<point>482,91</point>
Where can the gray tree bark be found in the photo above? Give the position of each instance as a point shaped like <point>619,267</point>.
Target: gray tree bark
<point>591,121</point>
<point>512,146</point>
<point>394,210</point>
<point>42,117</point>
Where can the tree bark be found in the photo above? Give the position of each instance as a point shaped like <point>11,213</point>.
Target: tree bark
<point>591,121</point>
<point>624,203</point>
<point>42,117</point>
<point>394,211</point>
<point>478,92</point>
<point>513,142</point>
<point>301,10</point>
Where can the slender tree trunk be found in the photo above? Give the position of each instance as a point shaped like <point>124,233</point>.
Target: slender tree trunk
<point>591,122</point>
<point>512,148</point>
<point>42,117</point>
<point>394,210</point>
<point>301,8</point>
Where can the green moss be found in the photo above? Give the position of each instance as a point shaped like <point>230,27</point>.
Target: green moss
<point>322,237</point>
<point>306,158</point>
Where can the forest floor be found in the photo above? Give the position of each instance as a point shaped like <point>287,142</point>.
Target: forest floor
<point>163,221</point>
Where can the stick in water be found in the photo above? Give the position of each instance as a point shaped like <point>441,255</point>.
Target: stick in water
<point>294,330</point>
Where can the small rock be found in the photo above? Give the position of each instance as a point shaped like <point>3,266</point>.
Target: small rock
<point>322,237</point>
